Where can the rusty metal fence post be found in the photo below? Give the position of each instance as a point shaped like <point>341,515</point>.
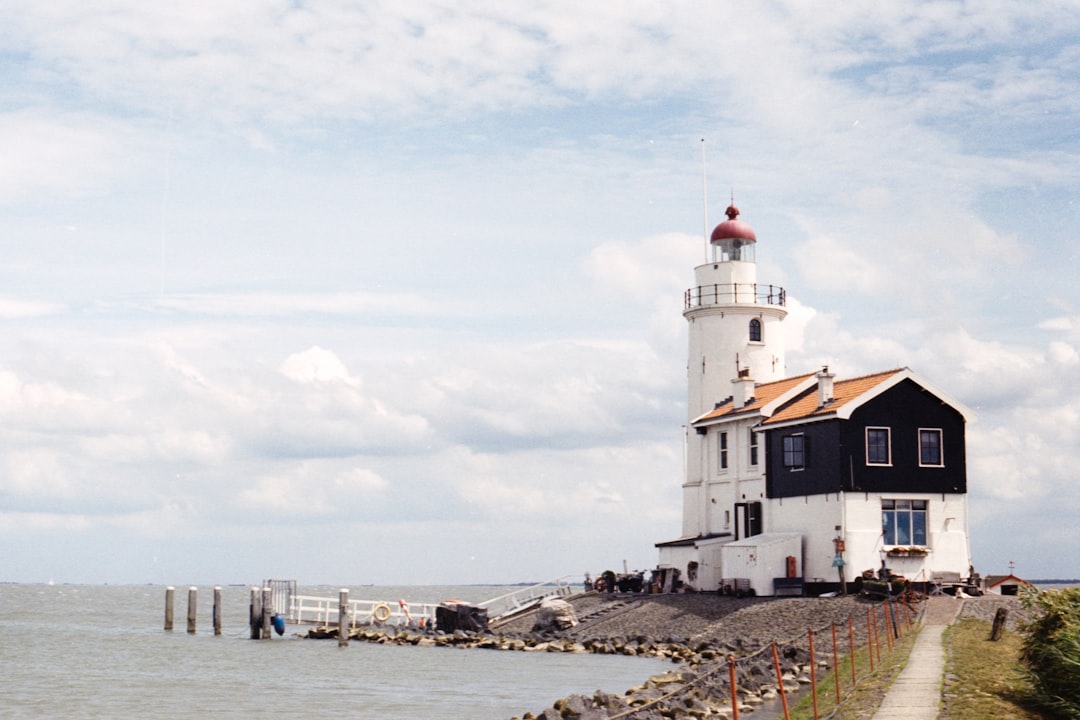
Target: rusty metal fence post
<point>734,693</point>
<point>780,682</point>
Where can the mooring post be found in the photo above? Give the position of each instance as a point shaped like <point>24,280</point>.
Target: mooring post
<point>267,612</point>
<point>343,618</point>
<point>170,593</point>
<point>192,607</point>
<point>255,613</point>
<point>217,609</point>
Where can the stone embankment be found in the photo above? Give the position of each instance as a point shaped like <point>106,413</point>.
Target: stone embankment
<point>985,607</point>
<point>698,632</point>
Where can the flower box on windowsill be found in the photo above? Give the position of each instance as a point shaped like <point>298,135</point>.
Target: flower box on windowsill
<point>908,552</point>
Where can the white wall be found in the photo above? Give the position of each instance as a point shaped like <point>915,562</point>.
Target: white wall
<point>814,517</point>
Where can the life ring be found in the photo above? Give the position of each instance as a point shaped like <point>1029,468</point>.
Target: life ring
<point>381,613</point>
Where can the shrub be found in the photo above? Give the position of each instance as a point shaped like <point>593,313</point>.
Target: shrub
<point>1051,649</point>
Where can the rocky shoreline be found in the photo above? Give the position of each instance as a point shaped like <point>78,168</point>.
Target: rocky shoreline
<point>698,632</point>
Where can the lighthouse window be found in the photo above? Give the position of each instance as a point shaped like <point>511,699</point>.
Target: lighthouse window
<point>930,448</point>
<point>877,446</point>
<point>795,451</point>
<point>755,330</point>
<point>903,522</point>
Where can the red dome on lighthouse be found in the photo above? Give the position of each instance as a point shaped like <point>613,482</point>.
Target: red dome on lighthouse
<point>732,229</point>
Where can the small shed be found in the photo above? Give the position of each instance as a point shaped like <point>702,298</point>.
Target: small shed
<point>762,559</point>
<point>1005,584</point>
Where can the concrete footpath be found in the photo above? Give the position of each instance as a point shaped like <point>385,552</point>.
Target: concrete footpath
<point>916,694</point>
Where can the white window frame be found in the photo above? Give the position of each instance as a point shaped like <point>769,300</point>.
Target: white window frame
<point>802,452</point>
<point>909,513</point>
<point>761,331</point>
<point>722,452</point>
<point>940,447</point>
<point>888,446</point>
<point>754,454</point>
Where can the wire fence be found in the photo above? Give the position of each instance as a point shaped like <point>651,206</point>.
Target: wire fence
<point>851,664</point>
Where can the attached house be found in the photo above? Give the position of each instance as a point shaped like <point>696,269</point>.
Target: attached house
<point>880,461</point>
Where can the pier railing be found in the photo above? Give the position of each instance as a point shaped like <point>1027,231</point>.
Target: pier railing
<point>312,610</point>
<point>527,597</point>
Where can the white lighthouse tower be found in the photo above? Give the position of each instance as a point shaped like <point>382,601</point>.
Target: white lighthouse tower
<point>735,343</point>
<point>734,321</point>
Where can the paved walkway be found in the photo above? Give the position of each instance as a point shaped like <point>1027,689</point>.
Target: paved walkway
<point>916,694</point>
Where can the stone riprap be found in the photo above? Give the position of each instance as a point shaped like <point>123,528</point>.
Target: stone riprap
<point>698,632</point>
<point>984,608</point>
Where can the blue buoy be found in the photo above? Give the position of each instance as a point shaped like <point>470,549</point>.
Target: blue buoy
<point>279,624</point>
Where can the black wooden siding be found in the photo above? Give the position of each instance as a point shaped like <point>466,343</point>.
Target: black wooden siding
<point>837,449</point>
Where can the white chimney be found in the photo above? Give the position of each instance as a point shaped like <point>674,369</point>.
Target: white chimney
<point>743,390</point>
<point>824,386</point>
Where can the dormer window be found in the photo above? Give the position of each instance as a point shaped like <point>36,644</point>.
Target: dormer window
<point>755,330</point>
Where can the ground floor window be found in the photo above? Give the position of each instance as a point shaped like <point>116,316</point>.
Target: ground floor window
<point>904,522</point>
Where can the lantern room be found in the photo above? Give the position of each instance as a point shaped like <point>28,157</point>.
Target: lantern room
<point>733,240</point>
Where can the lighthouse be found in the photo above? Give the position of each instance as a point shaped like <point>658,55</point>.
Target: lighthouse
<point>796,483</point>
<point>734,321</point>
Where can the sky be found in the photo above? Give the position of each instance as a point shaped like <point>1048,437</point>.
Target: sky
<point>391,292</point>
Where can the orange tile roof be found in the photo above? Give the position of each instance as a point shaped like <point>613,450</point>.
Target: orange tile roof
<point>764,394</point>
<point>844,391</point>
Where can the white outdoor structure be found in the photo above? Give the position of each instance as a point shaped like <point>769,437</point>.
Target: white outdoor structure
<point>876,462</point>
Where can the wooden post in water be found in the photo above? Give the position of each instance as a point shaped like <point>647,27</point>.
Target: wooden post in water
<point>343,618</point>
<point>267,612</point>
<point>255,613</point>
<point>217,609</point>
<point>192,607</point>
<point>170,593</point>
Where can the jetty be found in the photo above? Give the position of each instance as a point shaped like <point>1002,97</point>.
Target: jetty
<point>297,609</point>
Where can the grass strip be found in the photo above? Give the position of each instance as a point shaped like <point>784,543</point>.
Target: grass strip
<point>861,701</point>
<point>984,679</point>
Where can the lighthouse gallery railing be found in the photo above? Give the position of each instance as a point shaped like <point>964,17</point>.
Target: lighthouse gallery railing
<point>734,294</point>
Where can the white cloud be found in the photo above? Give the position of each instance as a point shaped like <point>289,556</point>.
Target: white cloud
<point>18,308</point>
<point>316,365</point>
<point>414,271</point>
<point>61,154</point>
<point>314,489</point>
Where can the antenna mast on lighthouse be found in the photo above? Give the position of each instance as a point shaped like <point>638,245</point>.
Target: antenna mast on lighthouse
<point>704,203</point>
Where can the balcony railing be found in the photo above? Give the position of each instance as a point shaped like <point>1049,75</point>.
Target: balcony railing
<point>734,294</point>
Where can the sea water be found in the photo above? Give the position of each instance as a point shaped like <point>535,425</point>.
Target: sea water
<point>82,651</point>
